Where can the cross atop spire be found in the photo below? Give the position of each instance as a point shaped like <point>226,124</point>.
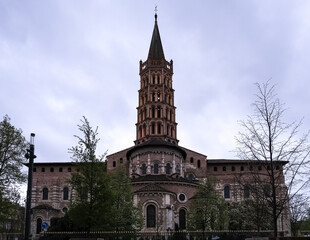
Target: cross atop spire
<point>156,12</point>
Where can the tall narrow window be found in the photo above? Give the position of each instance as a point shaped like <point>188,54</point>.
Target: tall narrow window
<point>39,225</point>
<point>182,219</point>
<point>143,168</point>
<point>159,128</point>
<point>66,193</point>
<point>156,168</point>
<point>168,168</point>
<point>45,194</point>
<point>246,191</point>
<point>150,216</point>
<point>198,163</point>
<point>158,112</point>
<point>153,128</point>
<point>227,192</point>
<point>153,112</point>
<point>158,97</point>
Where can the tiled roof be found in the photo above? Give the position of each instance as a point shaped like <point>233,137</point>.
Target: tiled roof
<point>156,142</point>
<point>45,207</point>
<point>161,178</point>
<point>152,188</point>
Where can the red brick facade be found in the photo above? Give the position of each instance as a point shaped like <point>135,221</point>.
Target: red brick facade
<point>165,176</point>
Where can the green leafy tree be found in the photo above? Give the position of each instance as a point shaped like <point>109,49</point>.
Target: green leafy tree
<point>249,215</point>
<point>92,194</point>
<point>125,216</point>
<point>63,224</point>
<point>208,210</point>
<point>278,148</point>
<point>298,211</point>
<point>12,150</point>
<point>305,226</point>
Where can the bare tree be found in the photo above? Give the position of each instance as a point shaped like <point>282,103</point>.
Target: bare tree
<point>277,149</point>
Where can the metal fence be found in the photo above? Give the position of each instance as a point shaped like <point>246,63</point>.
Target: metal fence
<point>177,235</point>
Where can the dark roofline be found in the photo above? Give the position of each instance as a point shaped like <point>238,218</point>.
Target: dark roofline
<point>51,164</point>
<point>156,142</point>
<point>234,161</point>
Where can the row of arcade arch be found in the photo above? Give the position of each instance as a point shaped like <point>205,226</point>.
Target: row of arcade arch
<point>156,96</point>
<point>155,169</point>
<point>156,79</point>
<point>156,128</point>
<point>65,193</point>
<point>156,112</point>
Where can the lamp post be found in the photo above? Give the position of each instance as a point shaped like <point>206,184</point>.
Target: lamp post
<point>29,155</point>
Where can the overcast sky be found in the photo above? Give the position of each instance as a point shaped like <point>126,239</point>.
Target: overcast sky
<point>61,60</point>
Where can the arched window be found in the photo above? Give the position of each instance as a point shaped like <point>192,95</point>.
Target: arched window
<point>150,216</point>
<point>144,130</point>
<point>177,168</point>
<point>45,194</point>
<point>66,193</point>
<point>182,219</point>
<point>159,128</point>
<point>198,163</point>
<point>168,168</point>
<point>143,168</point>
<point>153,128</point>
<point>39,225</point>
<point>156,168</point>
<point>158,112</point>
<point>227,192</point>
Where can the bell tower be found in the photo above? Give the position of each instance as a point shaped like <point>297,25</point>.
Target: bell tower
<point>156,110</point>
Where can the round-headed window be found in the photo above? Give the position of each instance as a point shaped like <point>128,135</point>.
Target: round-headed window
<point>182,197</point>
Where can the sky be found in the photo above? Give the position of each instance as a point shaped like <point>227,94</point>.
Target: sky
<point>62,60</point>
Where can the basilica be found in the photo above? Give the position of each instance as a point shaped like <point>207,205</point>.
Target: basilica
<point>164,175</point>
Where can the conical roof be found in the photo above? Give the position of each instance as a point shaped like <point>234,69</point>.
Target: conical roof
<point>156,49</point>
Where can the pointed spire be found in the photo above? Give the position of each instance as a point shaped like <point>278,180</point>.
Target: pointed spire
<point>156,49</point>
